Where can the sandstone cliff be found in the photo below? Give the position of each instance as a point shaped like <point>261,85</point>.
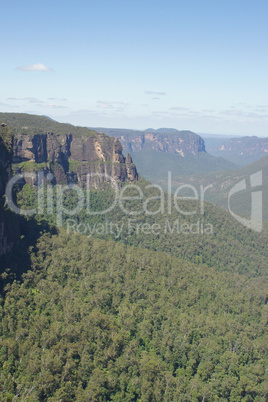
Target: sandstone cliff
<point>69,153</point>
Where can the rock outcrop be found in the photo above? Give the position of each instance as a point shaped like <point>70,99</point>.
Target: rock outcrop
<point>71,158</point>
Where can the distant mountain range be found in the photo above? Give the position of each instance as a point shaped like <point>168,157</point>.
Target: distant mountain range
<point>239,150</point>
<point>157,152</point>
<point>162,140</point>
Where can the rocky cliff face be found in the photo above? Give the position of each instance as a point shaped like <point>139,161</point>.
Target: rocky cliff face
<point>8,226</point>
<point>71,158</point>
<point>161,140</point>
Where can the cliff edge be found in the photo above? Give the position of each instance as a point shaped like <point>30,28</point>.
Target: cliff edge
<point>70,153</point>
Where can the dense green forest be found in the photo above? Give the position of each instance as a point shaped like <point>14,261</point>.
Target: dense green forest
<point>95,320</point>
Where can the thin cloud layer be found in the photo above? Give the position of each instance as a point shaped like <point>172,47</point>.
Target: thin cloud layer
<point>112,106</point>
<point>155,93</point>
<point>35,67</point>
<point>39,102</point>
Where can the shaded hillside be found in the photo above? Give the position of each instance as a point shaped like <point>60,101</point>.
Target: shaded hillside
<point>223,182</point>
<point>9,230</point>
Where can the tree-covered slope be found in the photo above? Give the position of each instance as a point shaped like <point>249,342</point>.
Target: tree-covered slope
<point>155,166</point>
<point>100,321</point>
<point>196,232</point>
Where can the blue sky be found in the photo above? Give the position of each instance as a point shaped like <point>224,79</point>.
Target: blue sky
<point>187,64</point>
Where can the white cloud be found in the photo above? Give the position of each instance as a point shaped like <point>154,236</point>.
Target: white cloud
<point>35,67</point>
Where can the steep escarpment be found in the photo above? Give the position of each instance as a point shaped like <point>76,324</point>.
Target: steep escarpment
<point>161,140</point>
<point>8,226</point>
<point>69,153</point>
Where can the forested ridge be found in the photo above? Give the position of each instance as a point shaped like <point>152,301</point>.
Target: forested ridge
<point>33,124</point>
